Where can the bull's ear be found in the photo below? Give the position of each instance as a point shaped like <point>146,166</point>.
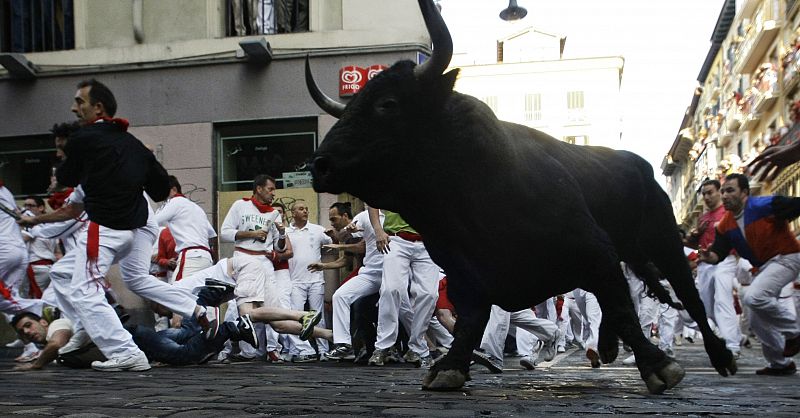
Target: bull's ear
<point>443,85</point>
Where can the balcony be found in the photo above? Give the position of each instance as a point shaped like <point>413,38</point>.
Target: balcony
<point>36,26</point>
<point>766,99</point>
<point>791,73</point>
<point>750,122</point>
<point>757,40</point>
<point>734,120</point>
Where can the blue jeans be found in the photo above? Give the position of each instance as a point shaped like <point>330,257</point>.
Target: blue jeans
<point>179,346</point>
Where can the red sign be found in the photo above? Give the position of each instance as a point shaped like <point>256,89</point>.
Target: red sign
<point>353,78</point>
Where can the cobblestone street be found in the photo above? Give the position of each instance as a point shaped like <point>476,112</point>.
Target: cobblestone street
<point>565,386</point>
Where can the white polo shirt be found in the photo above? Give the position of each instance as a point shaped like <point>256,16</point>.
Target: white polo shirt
<point>307,245</point>
<point>188,224</point>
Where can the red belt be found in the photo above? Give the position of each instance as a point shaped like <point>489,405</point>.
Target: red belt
<point>183,259</point>
<point>35,291</point>
<point>408,236</point>
<point>271,255</point>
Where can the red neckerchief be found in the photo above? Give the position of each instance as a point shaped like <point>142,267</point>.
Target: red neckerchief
<point>263,208</point>
<point>122,123</point>
<point>56,200</point>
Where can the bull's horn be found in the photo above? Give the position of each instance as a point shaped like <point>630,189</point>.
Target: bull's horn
<point>332,107</point>
<point>442,42</point>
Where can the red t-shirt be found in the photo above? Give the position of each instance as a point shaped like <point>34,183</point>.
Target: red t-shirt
<point>710,219</point>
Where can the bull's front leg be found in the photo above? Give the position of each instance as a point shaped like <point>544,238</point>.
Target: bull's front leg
<point>450,372</point>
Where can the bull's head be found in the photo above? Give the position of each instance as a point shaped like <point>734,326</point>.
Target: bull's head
<point>386,123</point>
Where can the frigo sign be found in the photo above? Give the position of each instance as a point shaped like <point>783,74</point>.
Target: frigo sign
<point>353,78</point>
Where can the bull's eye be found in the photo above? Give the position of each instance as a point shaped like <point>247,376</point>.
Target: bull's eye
<point>387,105</point>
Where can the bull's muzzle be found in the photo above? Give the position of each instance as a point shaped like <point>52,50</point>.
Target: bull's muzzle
<point>321,168</point>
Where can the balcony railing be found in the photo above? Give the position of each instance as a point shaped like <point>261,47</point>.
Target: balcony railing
<point>36,25</point>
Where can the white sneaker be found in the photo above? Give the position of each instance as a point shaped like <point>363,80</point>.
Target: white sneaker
<point>630,361</point>
<point>15,344</point>
<point>135,362</point>
<point>527,362</point>
<point>78,340</point>
<point>548,352</point>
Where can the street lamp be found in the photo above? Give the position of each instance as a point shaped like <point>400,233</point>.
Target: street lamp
<point>513,12</point>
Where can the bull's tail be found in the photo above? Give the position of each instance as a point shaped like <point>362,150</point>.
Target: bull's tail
<point>650,275</point>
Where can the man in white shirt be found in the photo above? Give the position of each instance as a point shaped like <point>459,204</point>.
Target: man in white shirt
<point>307,284</point>
<point>191,230</point>
<point>41,254</point>
<point>13,260</point>
<point>257,231</point>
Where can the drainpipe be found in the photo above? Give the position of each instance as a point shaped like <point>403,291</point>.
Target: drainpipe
<point>138,33</point>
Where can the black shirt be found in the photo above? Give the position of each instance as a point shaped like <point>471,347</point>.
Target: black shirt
<point>113,167</point>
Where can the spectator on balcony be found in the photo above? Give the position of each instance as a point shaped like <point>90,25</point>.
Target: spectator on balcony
<point>291,15</point>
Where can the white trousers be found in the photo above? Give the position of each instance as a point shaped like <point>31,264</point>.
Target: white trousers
<point>281,285</point>
<point>494,337</point>
<point>590,310</point>
<point>13,263</point>
<point>715,285</point>
<point>439,334</point>
<point>365,283</point>
<point>41,274</point>
<point>314,293</point>
<point>773,318</point>
<point>407,269</point>
<point>190,265</point>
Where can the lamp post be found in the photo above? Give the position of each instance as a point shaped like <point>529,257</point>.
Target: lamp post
<point>513,12</point>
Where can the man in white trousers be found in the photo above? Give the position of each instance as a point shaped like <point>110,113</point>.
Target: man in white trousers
<point>114,170</point>
<point>494,338</point>
<point>407,269</point>
<point>189,226</point>
<point>308,284</point>
<point>257,231</point>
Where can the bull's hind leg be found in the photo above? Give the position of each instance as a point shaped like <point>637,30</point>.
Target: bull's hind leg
<point>452,371</point>
<point>657,370</point>
<point>661,240</point>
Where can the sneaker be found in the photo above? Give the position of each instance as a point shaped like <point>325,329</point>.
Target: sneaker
<point>679,340</point>
<point>747,343</point>
<point>239,358</point>
<point>594,358</point>
<point>215,293</point>
<point>245,331</point>
<point>560,349</point>
<point>274,357</point>
<point>736,354</point>
<point>787,370</point>
<point>426,362</point>
<point>630,361</point>
<point>549,350</point>
<point>15,344</point>
<point>78,340</point>
<point>309,320</point>
<point>362,356</point>
<point>411,357</point>
<point>379,357</point>
<point>494,365</point>
<point>671,354</point>
<point>135,363</point>
<point>342,352</point>
<point>304,358</point>
<point>527,362</point>
<point>209,321</point>
<point>792,347</point>
<point>208,357</point>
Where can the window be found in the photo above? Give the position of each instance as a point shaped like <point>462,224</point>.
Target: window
<point>255,17</point>
<point>577,140</point>
<point>575,109</point>
<point>533,107</point>
<point>491,101</point>
<point>279,148</point>
<point>36,26</point>
<point>26,164</point>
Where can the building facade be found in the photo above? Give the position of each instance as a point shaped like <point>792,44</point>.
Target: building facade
<point>746,100</point>
<point>528,82</point>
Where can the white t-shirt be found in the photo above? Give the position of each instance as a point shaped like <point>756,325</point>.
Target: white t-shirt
<point>244,216</point>
<point>188,224</point>
<point>307,245</point>
<point>373,259</point>
<point>59,324</point>
<point>9,230</point>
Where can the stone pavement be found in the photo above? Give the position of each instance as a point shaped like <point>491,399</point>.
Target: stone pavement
<point>566,386</point>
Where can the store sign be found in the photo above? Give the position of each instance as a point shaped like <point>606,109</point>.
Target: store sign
<point>353,78</point>
<point>296,179</point>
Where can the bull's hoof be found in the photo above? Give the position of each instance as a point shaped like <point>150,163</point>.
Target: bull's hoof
<point>728,366</point>
<point>665,378</point>
<point>443,380</point>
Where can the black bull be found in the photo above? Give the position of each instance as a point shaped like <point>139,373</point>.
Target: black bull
<point>513,215</point>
